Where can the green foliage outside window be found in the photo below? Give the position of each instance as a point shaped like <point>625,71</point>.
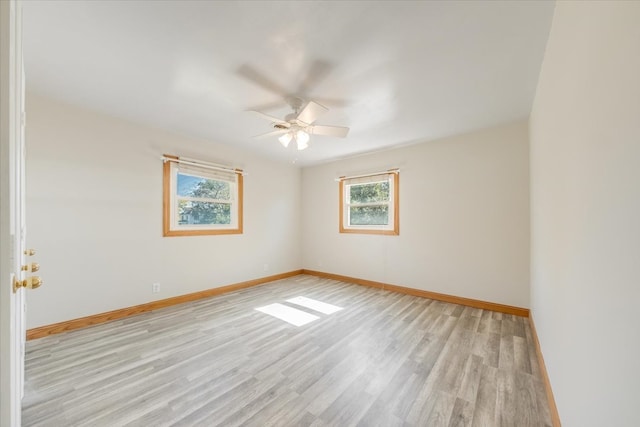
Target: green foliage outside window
<point>201,212</point>
<point>369,215</point>
<point>369,193</point>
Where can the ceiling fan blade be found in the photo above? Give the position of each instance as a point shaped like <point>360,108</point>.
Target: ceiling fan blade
<point>255,76</point>
<point>337,131</point>
<point>330,102</point>
<point>311,112</point>
<point>272,133</point>
<point>269,106</point>
<point>318,71</point>
<point>269,117</point>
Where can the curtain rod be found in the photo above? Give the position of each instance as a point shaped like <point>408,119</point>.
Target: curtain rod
<point>199,163</point>
<point>388,171</point>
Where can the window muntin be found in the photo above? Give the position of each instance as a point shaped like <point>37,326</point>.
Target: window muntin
<point>369,204</point>
<point>200,201</point>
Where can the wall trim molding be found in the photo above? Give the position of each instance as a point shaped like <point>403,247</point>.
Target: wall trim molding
<point>96,319</point>
<point>485,305</point>
<point>553,409</point>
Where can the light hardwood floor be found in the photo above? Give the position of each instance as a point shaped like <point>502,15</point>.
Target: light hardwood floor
<point>386,359</point>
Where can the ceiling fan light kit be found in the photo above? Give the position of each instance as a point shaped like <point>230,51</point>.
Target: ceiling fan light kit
<point>302,139</point>
<point>298,126</point>
<point>300,136</point>
<point>285,139</point>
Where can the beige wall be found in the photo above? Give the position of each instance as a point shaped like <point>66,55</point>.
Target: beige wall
<point>464,218</point>
<point>94,211</point>
<point>94,214</point>
<point>585,182</point>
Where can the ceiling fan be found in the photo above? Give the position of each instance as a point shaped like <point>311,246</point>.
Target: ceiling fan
<point>298,125</point>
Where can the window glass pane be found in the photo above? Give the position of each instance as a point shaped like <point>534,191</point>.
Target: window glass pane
<point>202,213</point>
<point>367,193</point>
<point>195,186</point>
<point>369,215</point>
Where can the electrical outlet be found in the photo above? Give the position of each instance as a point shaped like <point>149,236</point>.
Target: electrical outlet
<point>266,267</point>
<point>155,288</point>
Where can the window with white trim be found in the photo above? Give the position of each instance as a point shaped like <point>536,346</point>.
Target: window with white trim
<point>369,204</point>
<point>201,200</point>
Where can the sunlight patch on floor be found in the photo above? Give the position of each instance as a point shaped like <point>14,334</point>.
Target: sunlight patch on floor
<point>288,314</point>
<point>316,305</point>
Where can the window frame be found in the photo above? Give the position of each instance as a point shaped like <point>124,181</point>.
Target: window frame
<point>393,228</point>
<point>170,227</point>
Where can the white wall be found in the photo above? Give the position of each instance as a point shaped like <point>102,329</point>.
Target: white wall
<point>464,218</point>
<point>94,212</point>
<point>585,179</point>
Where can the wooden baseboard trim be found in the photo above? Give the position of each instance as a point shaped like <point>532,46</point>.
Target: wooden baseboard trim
<point>485,305</point>
<point>553,409</point>
<point>95,319</point>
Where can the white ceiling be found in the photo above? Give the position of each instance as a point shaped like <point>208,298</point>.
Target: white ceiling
<point>394,72</point>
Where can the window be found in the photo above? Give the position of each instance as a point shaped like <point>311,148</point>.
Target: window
<point>200,199</point>
<point>369,204</point>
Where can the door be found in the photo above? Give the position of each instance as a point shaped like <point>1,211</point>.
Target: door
<point>15,270</point>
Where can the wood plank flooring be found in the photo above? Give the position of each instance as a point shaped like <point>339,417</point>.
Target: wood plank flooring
<point>386,359</point>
